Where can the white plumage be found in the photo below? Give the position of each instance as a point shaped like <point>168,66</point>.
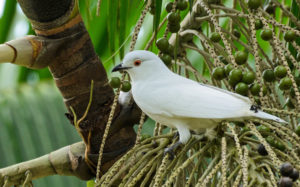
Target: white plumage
<point>179,102</point>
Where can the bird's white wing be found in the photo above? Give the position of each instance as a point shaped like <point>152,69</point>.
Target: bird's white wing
<point>182,97</point>
<point>246,99</point>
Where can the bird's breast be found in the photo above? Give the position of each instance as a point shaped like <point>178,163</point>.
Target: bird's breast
<point>147,97</point>
<point>143,92</point>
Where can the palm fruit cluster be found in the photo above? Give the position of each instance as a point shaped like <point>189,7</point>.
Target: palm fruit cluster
<point>248,48</point>
<point>115,82</point>
<point>288,175</point>
<point>167,50</point>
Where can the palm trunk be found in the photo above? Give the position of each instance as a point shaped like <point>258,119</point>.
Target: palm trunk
<point>67,48</point>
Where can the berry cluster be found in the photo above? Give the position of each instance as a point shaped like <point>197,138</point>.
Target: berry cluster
<point>254,54</point>
<point>115,82</point>
<point>288,175</point>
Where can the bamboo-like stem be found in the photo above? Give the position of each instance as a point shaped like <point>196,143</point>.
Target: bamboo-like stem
<point>237,179</point>
<point>65,161</point>
<point>224,164</point>
<point>6,53</point>
<point>245,166</point>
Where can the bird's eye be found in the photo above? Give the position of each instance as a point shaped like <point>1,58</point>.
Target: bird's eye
<point>137,62</point>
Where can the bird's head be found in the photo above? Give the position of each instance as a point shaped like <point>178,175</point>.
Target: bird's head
<point>140,64</point>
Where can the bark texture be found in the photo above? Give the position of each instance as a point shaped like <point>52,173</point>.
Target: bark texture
<point>45,10</point>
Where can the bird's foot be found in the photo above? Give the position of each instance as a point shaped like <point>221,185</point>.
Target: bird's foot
<point>176,135</point>
<point>255,108</point>
<point>171,150</point>
<point>200,137</point>
<point>210,134</point>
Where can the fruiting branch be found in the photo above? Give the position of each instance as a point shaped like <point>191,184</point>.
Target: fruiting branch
<point>251,146</point>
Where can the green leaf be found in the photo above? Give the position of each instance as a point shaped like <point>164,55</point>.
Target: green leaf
<point>295,10</point>
<point>145,3</point>
<point>124,4</point>
<point>32,123</point>
<point>156,19</point>
<point>7,19</point>
<point>191,2</point>
<point>112,25</point>
<point>176,50</point>
<point>89,14</point>
<point>90,183</point>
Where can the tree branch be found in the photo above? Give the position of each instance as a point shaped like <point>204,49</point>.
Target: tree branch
<point>68,160</point>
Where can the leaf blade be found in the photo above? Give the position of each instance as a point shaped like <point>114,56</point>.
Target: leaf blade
<point>156,19</point>
<point>124,4</point>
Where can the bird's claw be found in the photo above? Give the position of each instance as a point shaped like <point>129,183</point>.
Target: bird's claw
<point>169,151</point>
<point>176,135</point>
<point>255,108</point>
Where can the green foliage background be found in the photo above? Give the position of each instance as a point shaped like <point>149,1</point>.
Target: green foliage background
<point>32,124</point>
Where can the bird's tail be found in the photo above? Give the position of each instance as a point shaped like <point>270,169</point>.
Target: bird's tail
<point>264,115</point>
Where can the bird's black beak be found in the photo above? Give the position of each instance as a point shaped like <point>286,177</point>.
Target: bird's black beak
<point>119,68</point>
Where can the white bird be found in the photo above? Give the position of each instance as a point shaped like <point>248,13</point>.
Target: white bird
<point>182,103</point>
